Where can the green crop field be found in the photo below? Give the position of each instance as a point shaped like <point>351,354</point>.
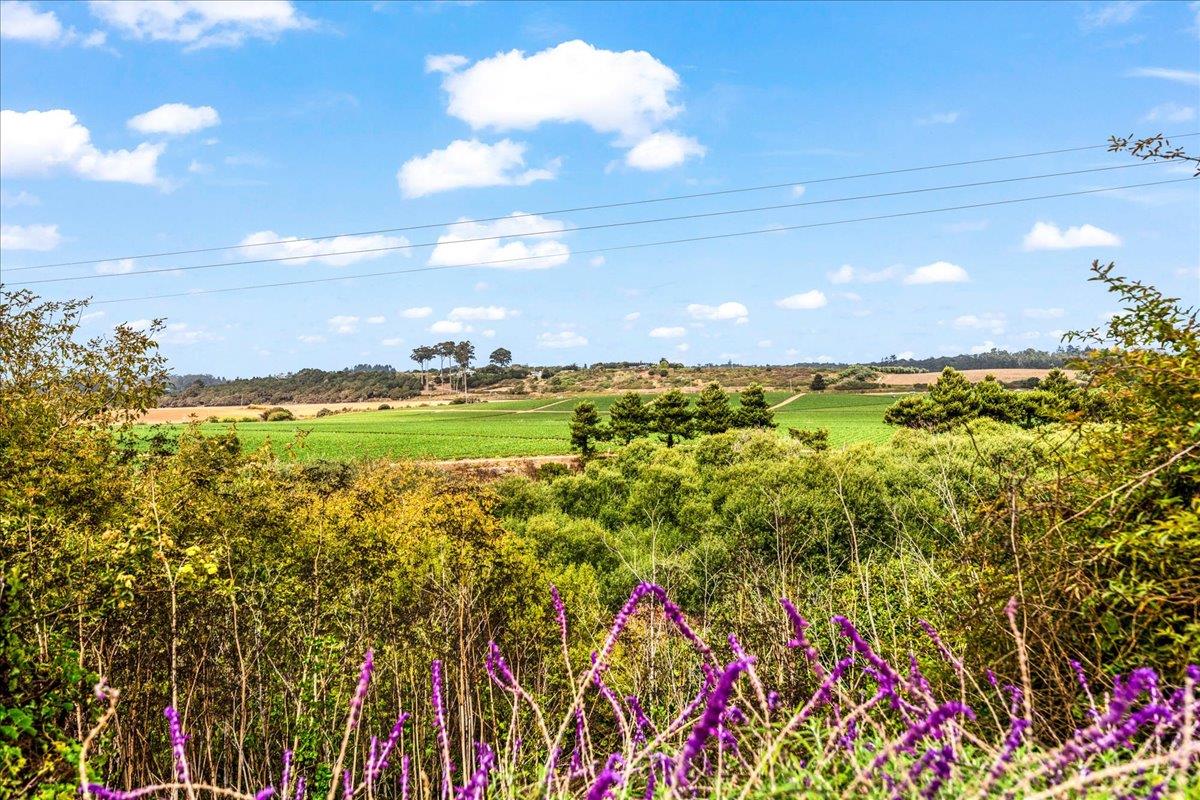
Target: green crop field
<point>532,427</point>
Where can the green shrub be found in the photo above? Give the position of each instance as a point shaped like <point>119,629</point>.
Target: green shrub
<point>277,414</point>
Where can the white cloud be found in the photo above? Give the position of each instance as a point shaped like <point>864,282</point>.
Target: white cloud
<point>798,190</point>
<point>673,332</point>
<point>937,272</point>
<point>343,324</point>
<point>1118,12</point>
<point>198,23</point>
<point>448,326</point>
<point>310,339</point>
<point>905,354</point>
<point>482,286</point>
<point>683,347</point>
<point>29,237</point>
<point>394,341</point>
<point>198,168</point>
<point>765,343</point>
<point>378,319</point>
<point>804,301</point>
<point>663,150</point>
<point>489,333</point>
<point>21,198</point>
<point>1047,236</point>
<point>725,311</point>
<point>596,261</point>
<point>983,348</point>
<point>940,118</point>
<point>445,63</point>
<point>417,312</point>
<point>37,143</point>
<point>183,333</point>
<point>1044,313</point>
<point>518,236</point>
<point>483,313</point>
<point>1170,112</point>
<point>843,274</point>
<point>339,251</point>
<point>175,119</point>
<point>120,267</point>
<point>989,321</point>
<point>470,163</point>
<point>91,316</point>
<point>22,21</point>
<point>1177,75</point>
<point>853,297</point>
<point>633,316</point>
<point>561,339</point>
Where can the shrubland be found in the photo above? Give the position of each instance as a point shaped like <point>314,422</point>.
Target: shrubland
<point>241,590</point>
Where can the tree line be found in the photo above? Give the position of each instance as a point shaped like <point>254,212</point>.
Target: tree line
<point>454,354</point>
<point>670,416</point>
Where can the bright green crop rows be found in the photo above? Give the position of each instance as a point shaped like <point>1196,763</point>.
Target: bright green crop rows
<point>514,428</point>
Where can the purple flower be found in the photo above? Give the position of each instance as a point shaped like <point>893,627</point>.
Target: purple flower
<point>498,669</point>
<point>263,794</point>
<point>800,640</point>
<point>930,725</point>
<point>287,772</point>
<point>404,766</point>
<point>936,638</point>
<point>476,785</point>
<point>439,722</point>
<point>881,670</point>
<point>641,721</point>
<point>379,763</point>
<point>178,742</point>
<point>670,611</point>
<point>608,778</point>
<point>709,720</point>
<point>347,785</point>
<point>360,692</point>
<point>560,612</point>
<point>300,788</point>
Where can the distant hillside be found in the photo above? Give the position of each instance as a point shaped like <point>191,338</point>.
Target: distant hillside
<point>992,359</point>
<point>306,386</point>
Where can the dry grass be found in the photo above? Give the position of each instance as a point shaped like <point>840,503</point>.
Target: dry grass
<point>973,375</point>
<point>300,410</point>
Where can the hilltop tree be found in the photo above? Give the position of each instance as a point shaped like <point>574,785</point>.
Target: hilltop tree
<point>464,354</point>
<point>818,383</point>
<point>586,428</point>
<point>629,418</point>
<point>753,412</point>
<point>445,351</point>
<point>713,414</point>
<point>422,355</point>
<point>501,357</point>
<point>671,417</point>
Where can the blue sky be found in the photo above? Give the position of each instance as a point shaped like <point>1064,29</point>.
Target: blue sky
<point>135,128</point>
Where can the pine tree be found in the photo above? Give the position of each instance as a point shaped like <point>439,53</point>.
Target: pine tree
<point>671,417</point>
<point>818,383</point>
<point>586,428</point>
<point>629,418</point>
<point>753,412</point>
<point>713,414</point>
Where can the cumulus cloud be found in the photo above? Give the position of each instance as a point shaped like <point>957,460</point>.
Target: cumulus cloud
<point>627,93</point>
<point>21,198</point>
<point>633,316</point>
<point>725,311</point>
<point>504,242</point>
<point>184,334</point>
<point>683,347</point>
<point>198,23</point>
<point>672,332</point>
<point>843,274</point>
<point>339,251</point>
<point>596,261</point>
<point>937,272</point>
<point>448,326</point>
<point>416,312</point>
<point>561,339</point>
<point>394,341</point>
<point>1044,313</point>
<point>118,267</point>
<point>310,338</point>
<point>940,118</point>
<point>343,324</point>
<point>1183,76</point>
<point>1170,112</point>
<point>983,347</point>
<point>38,143</point>
<point>378,319</point>
<point>663,150</point>
<point>175,119</point>
<point>24,22</point>
<point>814,298</point>
<point>1047,236</point>
<point>483,313</point>
<point>989,321</point>
<point>470,163</point>
<point>29,237</point>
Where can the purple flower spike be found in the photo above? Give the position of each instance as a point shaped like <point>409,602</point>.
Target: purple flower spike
<point>881,670</point>
<point>380,762</point>
<point>498,669</point>
<point>300,786</point>
<point>178,742</point>
<point>640,720</point>
<point>287,772</point>
<point>404,767</point>
<point>606,780</point>
<point>560,612</point>
<point>709,720</point>
<point>263,794</point>
<point>800,640</point>
<point>476,785</point>
<point>439,722</point>
<point>347,785</point>
<point>360,692</point>
<point>944,651</point>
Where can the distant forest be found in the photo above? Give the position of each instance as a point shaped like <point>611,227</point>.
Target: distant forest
<point>992,359</point>
<point>362,382</point>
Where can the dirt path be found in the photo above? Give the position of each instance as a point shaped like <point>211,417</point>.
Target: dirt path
<point>783,403</point>
<point>543,408</point>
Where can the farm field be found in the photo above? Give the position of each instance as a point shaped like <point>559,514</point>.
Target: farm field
<point>513,428</point>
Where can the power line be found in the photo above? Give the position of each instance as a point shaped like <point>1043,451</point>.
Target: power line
<point>595,207</point>
<point>597,226</point>
<point>661,243</point>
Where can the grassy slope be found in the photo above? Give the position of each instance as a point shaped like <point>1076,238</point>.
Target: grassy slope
<point>517,428</point>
